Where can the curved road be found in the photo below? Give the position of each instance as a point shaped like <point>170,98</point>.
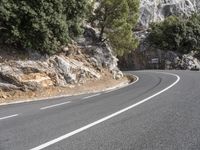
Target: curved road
<point>161,111</point>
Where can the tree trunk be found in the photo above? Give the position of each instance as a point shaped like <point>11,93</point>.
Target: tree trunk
<point>101,33</point>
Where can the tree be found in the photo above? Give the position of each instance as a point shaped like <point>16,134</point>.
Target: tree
<point>42,25</point>
<point>116,20</point>
<point>177,34</point>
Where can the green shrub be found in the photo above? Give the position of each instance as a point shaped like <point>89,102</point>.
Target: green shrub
<point>42,25</point>
<point>177,34</point>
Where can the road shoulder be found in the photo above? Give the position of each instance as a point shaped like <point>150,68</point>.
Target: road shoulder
<point>93,86</point>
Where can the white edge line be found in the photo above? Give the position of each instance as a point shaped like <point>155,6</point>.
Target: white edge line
<point>56,105</point>
<point>42,146</point>
<point>7,117</point>
<point>115,89</point>
<point>109,91</point>
<point>92,96</point>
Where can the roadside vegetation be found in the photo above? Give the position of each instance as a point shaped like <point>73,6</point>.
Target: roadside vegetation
<point>177,34</point>
<point>45,26</point>
<point>116,20</point>
<point>41,25</point>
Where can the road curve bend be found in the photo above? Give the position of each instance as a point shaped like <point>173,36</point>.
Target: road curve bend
<point>160,111</point>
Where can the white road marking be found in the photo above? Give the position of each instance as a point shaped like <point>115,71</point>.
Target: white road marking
<point>111,90</point>
<point>7,117</point>
<point>56,105</point>
<point>42,146</point>
<point>92,96</point>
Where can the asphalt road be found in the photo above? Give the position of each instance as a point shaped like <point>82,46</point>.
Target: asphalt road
<point>161,111</point>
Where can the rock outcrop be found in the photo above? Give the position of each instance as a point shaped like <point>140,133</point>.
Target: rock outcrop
<point>186,62</point>
<point>80,61</point>
<point>100,52</point>
<point>158,10</point>
<point>34,75</point>
<point>144,56</point>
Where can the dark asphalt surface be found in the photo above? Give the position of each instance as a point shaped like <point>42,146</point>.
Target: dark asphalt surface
<point>169,121</point>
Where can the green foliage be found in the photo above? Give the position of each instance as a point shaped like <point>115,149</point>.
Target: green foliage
<point>177,34</point>
<point>116,19</point>
<point>42,25</point>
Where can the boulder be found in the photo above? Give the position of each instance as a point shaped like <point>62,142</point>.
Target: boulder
<point>188,61</point>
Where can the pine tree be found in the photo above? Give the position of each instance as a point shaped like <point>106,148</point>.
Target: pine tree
<point>116,20</point>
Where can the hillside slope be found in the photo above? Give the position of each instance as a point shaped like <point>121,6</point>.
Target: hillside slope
<point>156,11</point>
<point>79,62</point>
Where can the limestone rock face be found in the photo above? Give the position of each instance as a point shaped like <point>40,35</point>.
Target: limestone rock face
<point>78,63</point>
<point>17,76</point>
<point>158,10</point>
<point>34,75</point>
<point>100,52</point>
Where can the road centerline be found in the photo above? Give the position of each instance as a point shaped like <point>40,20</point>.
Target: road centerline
<point>47,144</point>
<point>7,117</point>
<point>55,105</point>
<point>92,96</point>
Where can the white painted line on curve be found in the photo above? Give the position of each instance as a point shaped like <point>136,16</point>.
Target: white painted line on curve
<point>42,146</point>
<point>56,105</point>
<point>109,91</point>
<point>7,117</point>
<point>112,90</point>
<point>92,96</point>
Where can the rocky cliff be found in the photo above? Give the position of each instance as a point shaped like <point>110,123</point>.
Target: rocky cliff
<point>158,10</point>
<point>144,56</point>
